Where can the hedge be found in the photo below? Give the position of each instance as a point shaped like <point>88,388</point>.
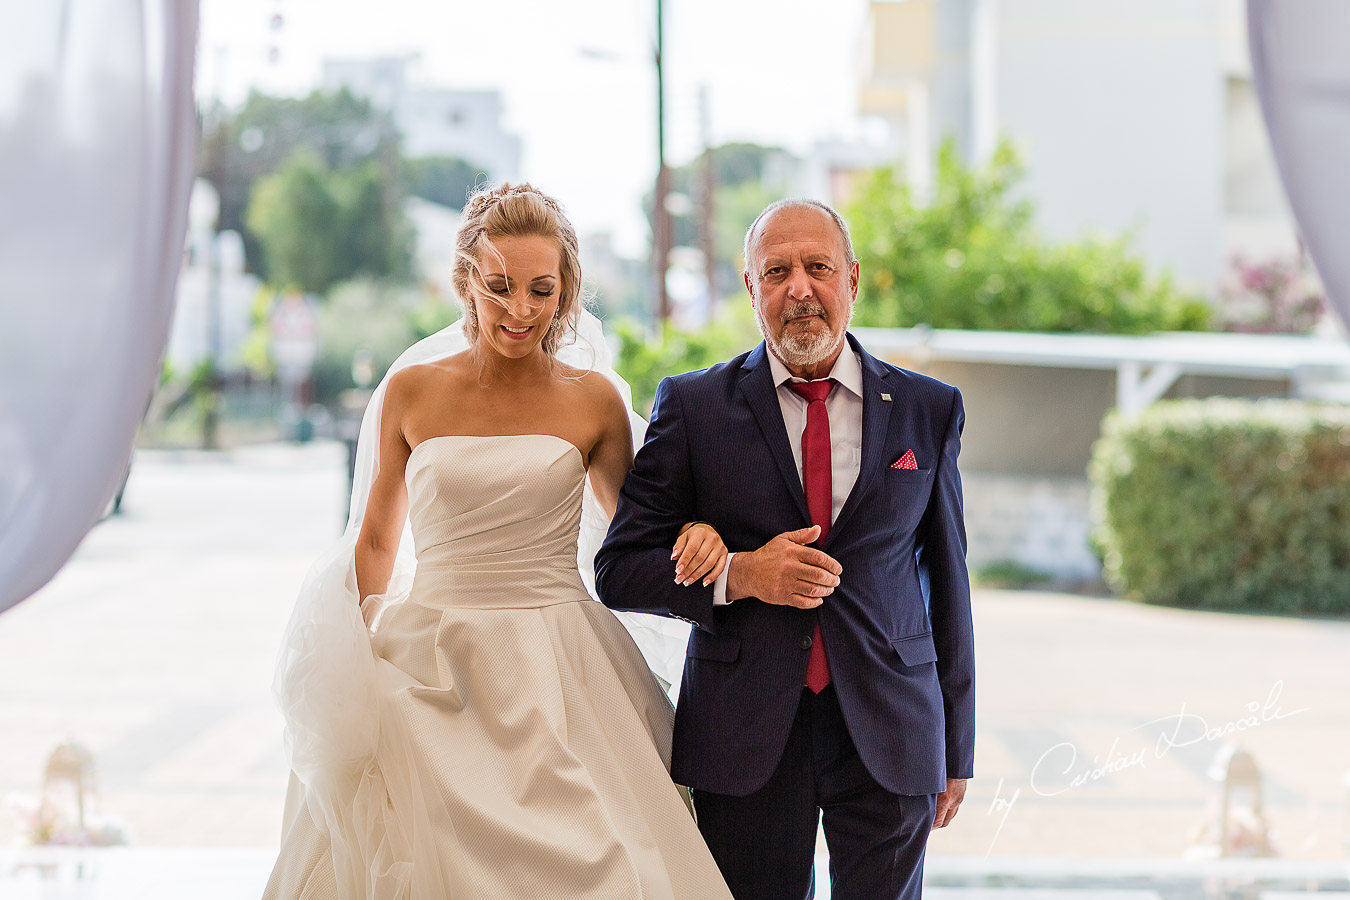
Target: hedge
<point>1226,504</point>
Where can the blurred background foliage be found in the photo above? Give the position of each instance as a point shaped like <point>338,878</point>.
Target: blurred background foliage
<point>317,226</point>
<point>1222,505</point>
<point>971,258</point>
<point>375,318</point>
<point>1282,295</point>
<point>446,180</point>
<point>316,186</point>
<point>643,360</point>
<point>1227,504</point>
<point>239,148</point>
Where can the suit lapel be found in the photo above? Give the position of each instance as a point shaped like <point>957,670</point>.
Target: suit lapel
<point>876,422</point>
<point>757,386</point>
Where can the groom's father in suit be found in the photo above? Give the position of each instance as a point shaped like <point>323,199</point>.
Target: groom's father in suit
<point>831,668</point>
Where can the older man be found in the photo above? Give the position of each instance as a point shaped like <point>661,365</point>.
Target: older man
<point>831,668</point>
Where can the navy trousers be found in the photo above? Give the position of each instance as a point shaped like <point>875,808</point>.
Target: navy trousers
<point>765,842</point>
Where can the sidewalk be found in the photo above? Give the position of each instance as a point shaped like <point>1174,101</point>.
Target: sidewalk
<point>154,649</point>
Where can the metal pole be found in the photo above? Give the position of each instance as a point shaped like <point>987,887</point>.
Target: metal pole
<point>707,206</point>
<point>660,217</point>
<point>211,410</point>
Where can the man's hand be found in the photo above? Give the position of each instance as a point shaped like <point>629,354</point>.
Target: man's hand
<point>785,571</point>
<point>948,801</point>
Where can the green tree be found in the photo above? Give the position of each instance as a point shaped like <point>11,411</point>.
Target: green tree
<point>972,259</point>
<point>342,130</point>
<point>446,180</point>
<point>377,239</point>
<point>317,227</point>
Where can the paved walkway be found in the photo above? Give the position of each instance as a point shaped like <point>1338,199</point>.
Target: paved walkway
<point>154,648</point>
<point>131,873</point>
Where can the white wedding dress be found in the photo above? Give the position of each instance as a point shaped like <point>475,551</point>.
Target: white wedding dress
<point>521,744</point>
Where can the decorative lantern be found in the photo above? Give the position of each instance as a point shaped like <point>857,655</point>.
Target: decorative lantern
<point>68,785</point>
<point>1242,826</point>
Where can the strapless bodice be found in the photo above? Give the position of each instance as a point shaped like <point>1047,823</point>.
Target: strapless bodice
<point>495,520</point>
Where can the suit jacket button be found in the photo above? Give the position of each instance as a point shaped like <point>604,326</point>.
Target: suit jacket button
<point>805,643</point>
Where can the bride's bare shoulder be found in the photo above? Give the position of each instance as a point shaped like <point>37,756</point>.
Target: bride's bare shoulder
<point>593,392</point>
<point>587,383</point>
<point>411,381</point>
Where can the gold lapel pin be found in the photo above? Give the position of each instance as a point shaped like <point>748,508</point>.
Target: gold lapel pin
<point>886,397</point>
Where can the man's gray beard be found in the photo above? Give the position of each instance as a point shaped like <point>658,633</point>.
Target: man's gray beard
<point>801,349</point>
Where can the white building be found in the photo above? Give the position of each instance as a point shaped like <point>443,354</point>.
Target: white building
<point>211,305</point>
<point>1132,116</point>
<point>436,227</point>
<point>433,121</point>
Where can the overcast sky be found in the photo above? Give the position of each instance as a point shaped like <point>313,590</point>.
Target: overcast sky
<point>576,76</point>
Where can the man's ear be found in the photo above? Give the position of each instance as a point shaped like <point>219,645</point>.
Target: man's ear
<point>853,277</point>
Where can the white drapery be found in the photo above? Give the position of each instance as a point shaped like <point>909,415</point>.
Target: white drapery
<point>97,150</point>
<point>1301,68</point>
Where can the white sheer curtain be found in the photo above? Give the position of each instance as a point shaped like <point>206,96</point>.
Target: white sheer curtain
<point>1301,68</point>
<point>97,143</point>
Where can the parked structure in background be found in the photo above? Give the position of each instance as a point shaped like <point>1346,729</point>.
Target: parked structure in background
<point>1132,115</point>
<point>1035,403</point>
<point>433,121</point>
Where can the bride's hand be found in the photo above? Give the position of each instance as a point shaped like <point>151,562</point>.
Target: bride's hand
<point>699,554</point>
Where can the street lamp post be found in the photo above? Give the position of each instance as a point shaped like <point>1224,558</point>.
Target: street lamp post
<point>220,138</point>
<point>661,236</point>
<point>707,196</point>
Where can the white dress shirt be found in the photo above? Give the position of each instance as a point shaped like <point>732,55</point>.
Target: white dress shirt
<point>844,406</point>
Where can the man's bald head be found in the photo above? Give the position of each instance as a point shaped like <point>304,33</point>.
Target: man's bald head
<point>752,234</point>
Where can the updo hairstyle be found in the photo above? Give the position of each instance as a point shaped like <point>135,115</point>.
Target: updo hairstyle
<point>516,211</point>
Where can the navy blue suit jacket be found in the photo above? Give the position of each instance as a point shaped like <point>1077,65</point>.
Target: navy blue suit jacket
<point>897,630</point>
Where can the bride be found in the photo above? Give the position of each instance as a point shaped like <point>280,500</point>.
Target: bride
<point>499,734</point>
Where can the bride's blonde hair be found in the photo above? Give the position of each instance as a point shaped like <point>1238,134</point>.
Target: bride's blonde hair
<point>516,211</point>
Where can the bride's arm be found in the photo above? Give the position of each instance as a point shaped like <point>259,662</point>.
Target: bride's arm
<point>612,455</point>
<point>699,552</point>
<point>387,508</point>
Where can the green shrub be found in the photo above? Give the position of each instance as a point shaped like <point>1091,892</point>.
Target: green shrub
<point>1009,574</point>
<point>643,361</point>
<point>1226,504</point>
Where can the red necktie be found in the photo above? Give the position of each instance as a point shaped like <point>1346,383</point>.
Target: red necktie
<point>819,499</point>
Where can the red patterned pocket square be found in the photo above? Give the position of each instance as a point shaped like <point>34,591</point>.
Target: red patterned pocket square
<point>906,462</point>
